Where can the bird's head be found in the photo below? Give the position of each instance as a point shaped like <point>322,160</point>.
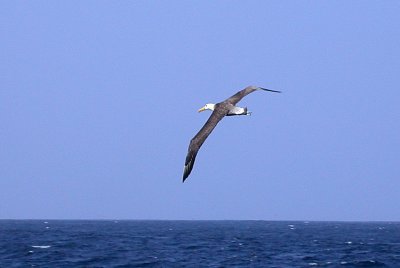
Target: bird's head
<point>208,106</point>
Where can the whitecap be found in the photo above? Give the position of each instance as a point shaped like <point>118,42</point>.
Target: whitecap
<point>313,264</point>
<point>41,246</point>
<point>349,242</point>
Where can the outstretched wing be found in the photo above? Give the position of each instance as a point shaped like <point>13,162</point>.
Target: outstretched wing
<point>199,139</point>
<point>241,94</point>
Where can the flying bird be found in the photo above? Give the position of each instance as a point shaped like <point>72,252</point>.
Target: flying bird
<point>225,108</point>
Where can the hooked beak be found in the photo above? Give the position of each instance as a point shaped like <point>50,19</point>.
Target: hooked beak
<point>201,109</point>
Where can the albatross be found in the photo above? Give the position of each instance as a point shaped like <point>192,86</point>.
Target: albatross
<point>220,110</point>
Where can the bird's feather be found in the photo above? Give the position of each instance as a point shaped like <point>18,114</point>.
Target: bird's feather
<point>199,139</point>
<point>243,93</point>
<point>240,95</point>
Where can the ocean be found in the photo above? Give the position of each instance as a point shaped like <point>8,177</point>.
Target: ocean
<point>109,243</point>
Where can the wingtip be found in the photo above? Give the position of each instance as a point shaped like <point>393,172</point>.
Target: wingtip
<point>266,89</point>
<point>185,174</point>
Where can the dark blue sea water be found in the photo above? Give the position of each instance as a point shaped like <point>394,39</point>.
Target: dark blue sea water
<point>54,243</point>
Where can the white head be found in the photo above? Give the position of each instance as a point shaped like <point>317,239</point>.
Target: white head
<point>208,106</point>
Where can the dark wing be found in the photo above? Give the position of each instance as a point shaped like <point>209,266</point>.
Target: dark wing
<point>199,139</point>
<point>241,94</point>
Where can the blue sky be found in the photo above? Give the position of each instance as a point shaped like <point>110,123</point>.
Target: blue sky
<point>99,99</point>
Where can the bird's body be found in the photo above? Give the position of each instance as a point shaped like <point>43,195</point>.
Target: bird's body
<point>220,110</point>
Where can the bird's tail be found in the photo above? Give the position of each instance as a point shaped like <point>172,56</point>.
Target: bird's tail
<point>246,112</point>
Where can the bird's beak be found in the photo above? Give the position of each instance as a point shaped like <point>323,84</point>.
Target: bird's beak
<point>201,109</point>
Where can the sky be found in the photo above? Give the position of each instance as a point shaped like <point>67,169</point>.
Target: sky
<point>99,100</point>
